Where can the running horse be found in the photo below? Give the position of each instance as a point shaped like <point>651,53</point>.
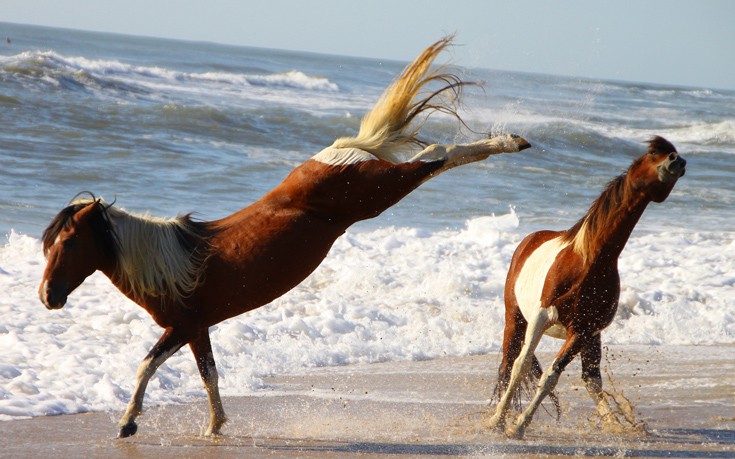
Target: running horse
<point>190,275</point>
<point>565,284</point>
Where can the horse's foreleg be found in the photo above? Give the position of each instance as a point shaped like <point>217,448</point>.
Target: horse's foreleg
<point>457,155</point>
<point>521,367</point>
<point>546,384</point>
<point>591,357</point>
<point>166,346</point>
<point>202,350</point>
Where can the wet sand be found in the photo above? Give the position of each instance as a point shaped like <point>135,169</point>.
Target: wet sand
<point>683,403</point>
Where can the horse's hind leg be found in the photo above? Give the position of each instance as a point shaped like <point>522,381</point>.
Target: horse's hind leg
<point>457,155</point>
<point>515,328</point>
<point>521,367</point>
<point>166,346</point>
<point>537,372</point>
<point>591,357</point>
<point>202,350</point>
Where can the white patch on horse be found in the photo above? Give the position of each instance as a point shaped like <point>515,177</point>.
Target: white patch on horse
<point>556,330</point>
<point>457,155</point>
<point>530,283</point>
<point>430,154</point>
<point>343,156</point>
<point>44,291</point>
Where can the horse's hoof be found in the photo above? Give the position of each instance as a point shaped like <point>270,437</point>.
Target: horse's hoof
<point>128,430</point>
<point>213,432</point>
<point>215,428</point>
<point>515,432</point>
<point>495,423</point>
<point>521,142</point>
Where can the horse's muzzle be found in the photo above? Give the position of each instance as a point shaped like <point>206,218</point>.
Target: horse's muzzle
<point>682,166</point>
<point>672,169</point>
<point>53,297</point>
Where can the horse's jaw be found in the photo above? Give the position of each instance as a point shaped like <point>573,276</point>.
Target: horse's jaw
<point>53,297</point>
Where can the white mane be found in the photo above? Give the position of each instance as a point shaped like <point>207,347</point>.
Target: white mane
<point>150,256</point>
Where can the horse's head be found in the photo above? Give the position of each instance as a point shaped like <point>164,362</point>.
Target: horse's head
<point>656,172</point>
<point>78,241</point>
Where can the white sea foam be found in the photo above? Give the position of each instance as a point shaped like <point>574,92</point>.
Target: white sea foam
<point>295,79</point>
<point>57,64</point>
<point>381,295</point>
<point>704,134</point>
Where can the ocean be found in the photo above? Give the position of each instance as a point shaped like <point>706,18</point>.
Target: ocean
<point>171,127</point>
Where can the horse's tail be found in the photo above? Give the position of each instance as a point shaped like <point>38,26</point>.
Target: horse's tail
<point>387,129</point>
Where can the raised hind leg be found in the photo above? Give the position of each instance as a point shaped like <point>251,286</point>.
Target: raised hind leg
<point>521,366</point>
<point>591,357</point>
<point>457,155</point>
<point>547,383</point>
<point>166,346</point>
<point>202,350</point>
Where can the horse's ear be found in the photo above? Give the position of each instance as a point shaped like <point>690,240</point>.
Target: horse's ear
<point>97,203</point>
<point>102,203</point>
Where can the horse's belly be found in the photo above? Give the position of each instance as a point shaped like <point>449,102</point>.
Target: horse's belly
<point>530,281</point>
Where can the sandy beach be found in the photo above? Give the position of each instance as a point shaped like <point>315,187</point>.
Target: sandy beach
<point>683,401</point>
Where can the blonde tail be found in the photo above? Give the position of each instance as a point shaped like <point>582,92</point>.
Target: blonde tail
<point>386,130</point>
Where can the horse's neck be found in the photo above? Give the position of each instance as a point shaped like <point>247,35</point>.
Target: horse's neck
<point>118,279</point>
<point>614,236</point>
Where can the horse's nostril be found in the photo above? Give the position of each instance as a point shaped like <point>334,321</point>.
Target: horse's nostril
<point>673,156</point>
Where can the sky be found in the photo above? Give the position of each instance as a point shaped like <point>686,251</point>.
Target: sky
<point>669,42</point>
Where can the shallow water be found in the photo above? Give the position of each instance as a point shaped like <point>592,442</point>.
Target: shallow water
<point>423,409</point>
